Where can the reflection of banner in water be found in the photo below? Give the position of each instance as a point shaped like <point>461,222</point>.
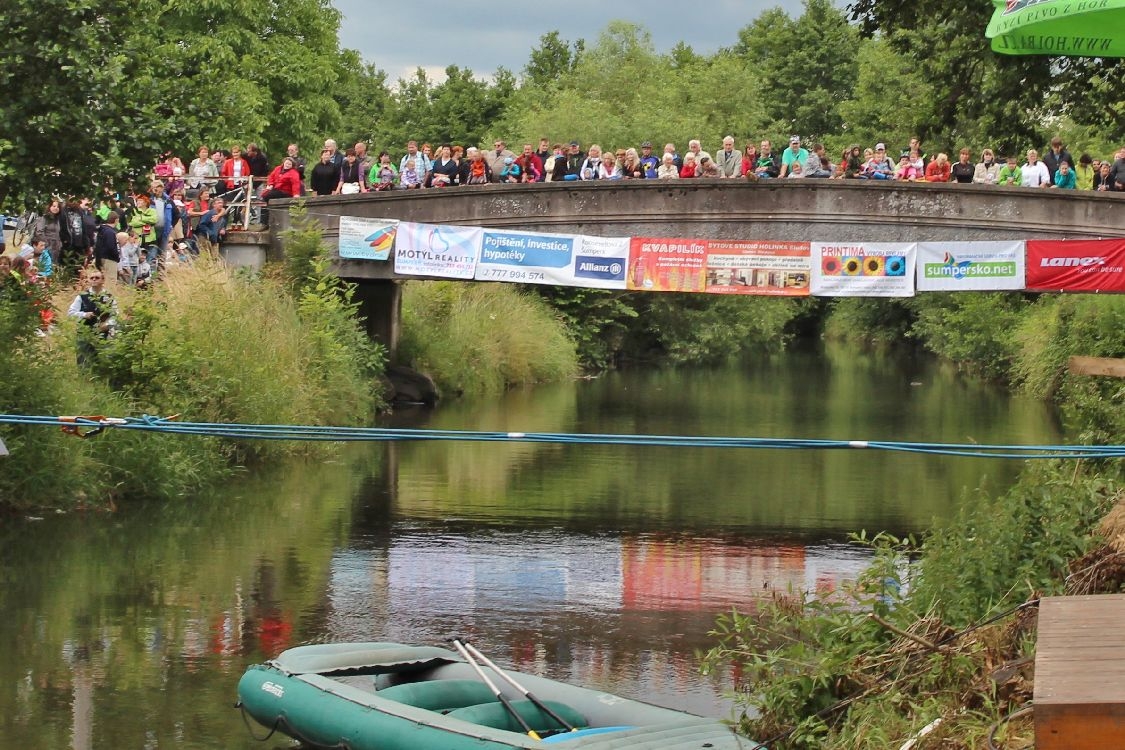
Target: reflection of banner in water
<point>961,266</point>
<point>697,574</point>
<point>437,250</point>
<point>779,269</point>
<point>1076,265</point>
<point>869,269</point>
<point>366,239</point>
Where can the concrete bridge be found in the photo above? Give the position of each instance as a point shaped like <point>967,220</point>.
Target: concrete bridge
<point>802,210</point>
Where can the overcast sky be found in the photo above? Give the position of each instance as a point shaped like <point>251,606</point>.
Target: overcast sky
<point>398,37</point>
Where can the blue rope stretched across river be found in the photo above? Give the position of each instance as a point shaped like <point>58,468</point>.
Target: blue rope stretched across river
<point>87,426</point>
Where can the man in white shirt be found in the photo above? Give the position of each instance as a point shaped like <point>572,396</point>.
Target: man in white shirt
<point>1035,172</point>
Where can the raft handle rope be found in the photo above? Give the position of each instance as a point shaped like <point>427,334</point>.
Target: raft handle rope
<point>89,426</point>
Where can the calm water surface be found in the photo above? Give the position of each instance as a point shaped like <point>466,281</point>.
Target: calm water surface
<point>603,565</point>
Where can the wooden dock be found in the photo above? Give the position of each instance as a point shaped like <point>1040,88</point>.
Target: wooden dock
<point>1080,673</point>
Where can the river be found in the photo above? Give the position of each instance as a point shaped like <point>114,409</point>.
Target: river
<point>603,565</point>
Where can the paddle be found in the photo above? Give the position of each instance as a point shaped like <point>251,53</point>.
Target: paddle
<point>495,690</point>
<point>526,693</point>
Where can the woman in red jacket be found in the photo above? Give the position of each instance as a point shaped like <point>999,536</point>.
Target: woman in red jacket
<point>284,182</point>
<point>938,170</point>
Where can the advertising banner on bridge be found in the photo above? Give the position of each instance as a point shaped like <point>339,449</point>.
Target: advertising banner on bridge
<point>868,269</point>
<point>600,262</point>
<point>1076,265</point>
<point>437,250</point>
<point>366,239</point>
<point>527,257</point>
<point>663,264</point>
<point>961,266</point>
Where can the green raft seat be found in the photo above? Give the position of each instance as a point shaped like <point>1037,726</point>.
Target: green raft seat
<point>493,714</point>
<point>439,695</point>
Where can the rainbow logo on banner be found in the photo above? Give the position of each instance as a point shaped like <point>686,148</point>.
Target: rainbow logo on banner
<point>382,239</point>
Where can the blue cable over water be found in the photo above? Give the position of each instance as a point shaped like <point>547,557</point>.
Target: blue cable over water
<point>164,425</point>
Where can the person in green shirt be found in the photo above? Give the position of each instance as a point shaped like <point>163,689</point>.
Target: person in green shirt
<point>1010,173</point>
<point>1084,173</point>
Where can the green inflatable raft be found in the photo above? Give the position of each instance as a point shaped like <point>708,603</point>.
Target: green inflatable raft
<point>388,696</point>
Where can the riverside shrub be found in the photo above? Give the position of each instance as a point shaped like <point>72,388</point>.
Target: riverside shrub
<point>482,338</point>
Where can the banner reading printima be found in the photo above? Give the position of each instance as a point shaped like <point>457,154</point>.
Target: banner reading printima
<point>1071,28</point>
<point>436,250</point>
<point>964,266</point>
<point>869,269</point>
<point>1076,266</point>
<point>540,258</point>
<point>719,266</point>
<point>366,239</point>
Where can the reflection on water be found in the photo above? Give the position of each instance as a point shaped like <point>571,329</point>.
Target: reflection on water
<point>602,565</point>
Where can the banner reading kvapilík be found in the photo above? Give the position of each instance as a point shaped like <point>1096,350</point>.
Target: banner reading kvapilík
<point>963,266</point>
<point>1072,28</point>
<point>779,269</point>
<point>437,250</point>
<point>526,257</point>
<point>1076,266</point>
<point>868,269</point>
<point>366,239</point>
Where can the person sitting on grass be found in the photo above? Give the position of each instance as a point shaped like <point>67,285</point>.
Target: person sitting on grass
<point>95,309</point>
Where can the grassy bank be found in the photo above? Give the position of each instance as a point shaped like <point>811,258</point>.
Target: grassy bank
<point>479,339</point>
<point>940,633</point>
<point>207,342</point>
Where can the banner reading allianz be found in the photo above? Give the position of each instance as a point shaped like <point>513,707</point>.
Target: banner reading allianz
<point>868,269</point>
<point>662,264</point>
<point>962,266</point>
<point>541,258</point>
<point>1076,265</point>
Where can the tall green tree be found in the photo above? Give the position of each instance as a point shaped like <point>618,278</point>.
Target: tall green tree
<point>976,96</point>
<point>72,113</point>
<point>553,59</point>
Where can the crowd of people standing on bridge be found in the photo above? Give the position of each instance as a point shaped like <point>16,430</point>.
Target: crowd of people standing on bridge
<point>186,208</point>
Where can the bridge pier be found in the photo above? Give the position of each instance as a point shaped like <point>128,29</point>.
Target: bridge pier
<point>380,304</point>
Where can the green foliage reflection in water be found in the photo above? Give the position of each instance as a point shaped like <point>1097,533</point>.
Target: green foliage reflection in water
<point>482,338</point>
<point>167,600</point>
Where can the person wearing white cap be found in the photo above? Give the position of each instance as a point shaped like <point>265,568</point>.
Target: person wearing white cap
<point>793,154</point>
<point>879,167</point>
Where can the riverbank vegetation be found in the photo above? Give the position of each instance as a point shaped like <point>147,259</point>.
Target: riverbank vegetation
<point>479,339</point>
<point>209,342</point>
<point>935,641</point>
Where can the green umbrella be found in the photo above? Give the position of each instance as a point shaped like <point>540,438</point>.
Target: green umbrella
<point>1071,28</point>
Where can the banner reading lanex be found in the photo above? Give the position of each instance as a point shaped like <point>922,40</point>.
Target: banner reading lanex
<point>436,250</point>
<point>868,269</point>
<point>961,266</point>
<point>1076,265</point>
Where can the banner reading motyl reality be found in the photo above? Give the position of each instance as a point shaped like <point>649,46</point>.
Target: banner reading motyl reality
<point>1076,265</point>
<point>526,257</point>
<point>366,239</point>
<point>665,264</point>
<point>437,250</point>
<point>960,266</point>
<point>869,269</point>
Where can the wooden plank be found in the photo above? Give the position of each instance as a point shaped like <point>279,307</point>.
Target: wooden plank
<point>1114,368</point>
<point>1080,673</point>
